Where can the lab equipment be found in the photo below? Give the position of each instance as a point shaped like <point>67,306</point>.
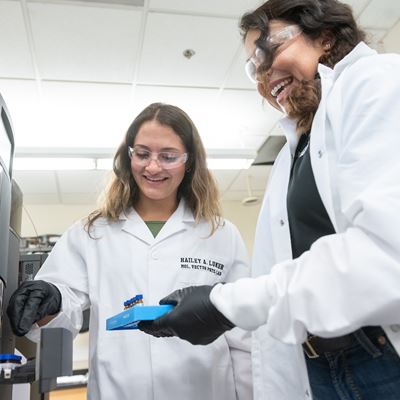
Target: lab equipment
<point>55,352</point>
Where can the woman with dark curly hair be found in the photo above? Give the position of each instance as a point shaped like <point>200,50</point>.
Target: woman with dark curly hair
<point>159,228</point>
<point>325,299</point>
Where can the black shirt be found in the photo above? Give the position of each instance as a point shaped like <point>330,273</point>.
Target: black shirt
<point>308,219</point>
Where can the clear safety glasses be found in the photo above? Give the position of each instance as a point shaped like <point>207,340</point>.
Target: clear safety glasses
<point>165,159</point>
<point>265,57</point>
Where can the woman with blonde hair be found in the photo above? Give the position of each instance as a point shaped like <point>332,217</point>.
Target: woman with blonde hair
<point>159,229</point>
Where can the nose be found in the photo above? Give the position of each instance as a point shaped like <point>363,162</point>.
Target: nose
<point>153,164</point>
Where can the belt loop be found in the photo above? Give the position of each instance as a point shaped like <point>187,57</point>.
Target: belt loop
<point>366,343</point>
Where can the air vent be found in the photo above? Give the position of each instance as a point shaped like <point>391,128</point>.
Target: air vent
<point>267,153</point>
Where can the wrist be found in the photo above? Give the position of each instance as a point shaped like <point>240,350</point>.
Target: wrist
<point>245,302</point>
<point>45,320</point>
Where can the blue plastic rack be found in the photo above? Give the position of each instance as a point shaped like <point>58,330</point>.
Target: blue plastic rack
<point>130,318</point>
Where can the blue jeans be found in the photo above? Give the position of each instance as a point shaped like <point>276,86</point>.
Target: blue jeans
<point>369,370</point>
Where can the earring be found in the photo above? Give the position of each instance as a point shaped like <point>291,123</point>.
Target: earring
<point>327,46</point>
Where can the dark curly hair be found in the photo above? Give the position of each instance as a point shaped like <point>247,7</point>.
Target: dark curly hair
<point>326,19</point>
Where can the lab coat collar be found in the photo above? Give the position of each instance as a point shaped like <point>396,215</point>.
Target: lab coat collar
<point>289,128</point>
<point>134,224</point>
<point>360,51</point>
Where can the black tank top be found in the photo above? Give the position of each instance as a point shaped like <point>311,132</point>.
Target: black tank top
<point>308,219</point>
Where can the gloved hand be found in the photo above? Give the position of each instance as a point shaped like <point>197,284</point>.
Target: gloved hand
<point>32,301</point>
<point>194,318</point>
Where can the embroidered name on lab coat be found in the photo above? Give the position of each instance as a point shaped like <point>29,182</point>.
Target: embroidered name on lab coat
<point>202,264</point>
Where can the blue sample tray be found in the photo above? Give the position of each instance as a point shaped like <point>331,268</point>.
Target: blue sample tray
<point>130,318</point>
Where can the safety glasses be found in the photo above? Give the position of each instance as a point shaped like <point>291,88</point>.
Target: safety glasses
<point>265,57</point>
<point>165,159</point>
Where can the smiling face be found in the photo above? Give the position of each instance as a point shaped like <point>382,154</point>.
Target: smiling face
<point>156,185</point>
<point>294,61</point>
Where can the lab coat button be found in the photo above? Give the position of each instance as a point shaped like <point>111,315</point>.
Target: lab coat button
<point>307,394</point>
<point>395,328</point>
<point>282,222</point>
<point>154,256</point>
<point>320,153</point>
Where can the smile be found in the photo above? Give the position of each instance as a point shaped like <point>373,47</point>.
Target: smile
<point>280,86</point>
<point>154,180</point>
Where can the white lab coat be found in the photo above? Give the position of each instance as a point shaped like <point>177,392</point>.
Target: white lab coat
<point>346,280</point>
<point>125,260</point>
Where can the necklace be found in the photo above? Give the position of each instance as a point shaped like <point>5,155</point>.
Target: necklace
<point>305,146</point>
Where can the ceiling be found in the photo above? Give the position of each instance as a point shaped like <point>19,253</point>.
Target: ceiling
<point>75,73</point>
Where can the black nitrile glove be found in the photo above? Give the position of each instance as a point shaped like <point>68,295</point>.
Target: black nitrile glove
<point>32,301</point>
<point>194,318</point>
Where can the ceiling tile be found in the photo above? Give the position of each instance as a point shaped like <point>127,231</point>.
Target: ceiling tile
<point>240,113</point>
<point>197,103</point>
<point>212,7</point>
<point>376,35</point>
<point>16,61</point>
<point>392,41</point>
<point>255,177</point>
<point>357,5</point>
<point>225,178</point>
<point>23,103</point>
<point>74,42</point>
<point>194,101</point>
<point>83,115</point>
<point>237,78</point>
<point>82,182</point>
<point>36,182</point>
<point>211,111</point>
<point>214,41</point>
<point>380,14</point>
<point>375,39</point>
<point>253,141</point>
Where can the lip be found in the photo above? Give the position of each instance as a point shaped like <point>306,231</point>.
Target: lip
<point>152,180</point>
<point>281,96</point>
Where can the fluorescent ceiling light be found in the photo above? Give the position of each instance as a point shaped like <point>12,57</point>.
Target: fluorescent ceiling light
<point>53,164</point>
<point>104,164</point>
<point>230,158</point>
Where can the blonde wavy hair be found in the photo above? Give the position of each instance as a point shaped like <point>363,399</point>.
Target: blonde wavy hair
<point>198,186</point>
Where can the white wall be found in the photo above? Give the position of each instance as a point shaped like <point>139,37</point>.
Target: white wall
<point>51,219</point>
<point>245,218</point>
